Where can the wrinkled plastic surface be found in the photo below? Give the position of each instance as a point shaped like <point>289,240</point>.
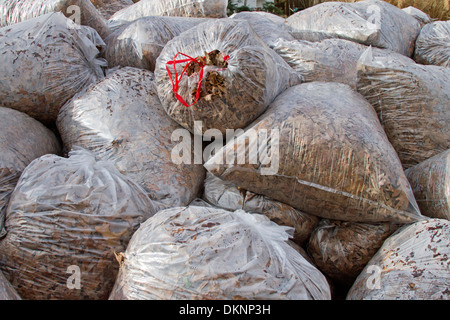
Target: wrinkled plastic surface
<point>419,15</point>
<point>7,291</point>
<point>333,60</point>
<point>370,22</point>
<point>173,8</point>
<point>44,62</point>
<point>412,264</point>
<point>433,44</point>
<point>204,253</point>
<point>139,43</point>
<point>331,158</point>
<point>80,11</point>
<point>228,196</point>
<point>22,139</point>
<point>70,213</point>
<point>121,119</point>
<point>268,30</point>
<point>108,8</point>
<point>254,77</point>
<point>412,102</point>
<point>341,250</point>
<point>430,181</point>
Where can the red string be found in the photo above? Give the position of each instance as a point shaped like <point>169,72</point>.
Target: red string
<point>176,82</point>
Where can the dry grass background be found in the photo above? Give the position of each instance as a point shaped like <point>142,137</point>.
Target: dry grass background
<point>437,9</point>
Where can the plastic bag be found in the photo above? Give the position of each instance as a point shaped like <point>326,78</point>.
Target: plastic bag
<point>433,44</point>
<point>22,139</point>
<point>121,119</point>
<point>139,43</point>
<point>82,12</point>
<point>7,291</point>
<point>199,253</point>
<point>44,62</point>
<point>268,30</point>
<point>412,264</point>
<point>430,181</point>
<point>320,148</point>
<point>342,249</point>
<point>228,196</point>
<point>66,219</point>
<point>231,79</point>
<point>419,15</point>
<point>370,22</point>
<point>173,8</point>
<point>332,60</point>
<point>412,102</point>
<point>107,8</point>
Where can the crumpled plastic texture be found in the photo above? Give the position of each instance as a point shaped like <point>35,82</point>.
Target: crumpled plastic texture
<point>227,195</point>
<point>412,264</point>
<point>268,30</point>
<point>15,11</point>
<point>66,214</point>
<point>173,8</point>
<point>198,253</point>
<point>325,153</point>
<point>433,44</point>
<point>121,119</point>
<point>44,62</point>
<point>332,60</point>
<point>430,181</point>
<point>419,15</point>
<point>7,291</point>
<point>139,43</point>
<point>342,249</point>
<point>370,22</point>
<point>107,8</point>
<point>412,102</point>
<point>22,140</point>
<point>255,75</point>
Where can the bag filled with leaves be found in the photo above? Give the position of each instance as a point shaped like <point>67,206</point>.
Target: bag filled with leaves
<point>108,8</point>
<point>82,12</point>
<point>412,264</point>
<point>321,149</point>
<point>139,43</point>
<point>342,249</point>
<point>430,181</point>
<point>221,74</point>
<point>419,15</point>
<point>412,102</point>
<point>227,195</point>
<point>121,119</point>
<point>433,44</point>
<point>44,62</point>
<point>7,291</point>
<point>370,22</point>
<point>22,139</point>
<point>198,253</point>
<point>65,220</point>
<point>172,8</point>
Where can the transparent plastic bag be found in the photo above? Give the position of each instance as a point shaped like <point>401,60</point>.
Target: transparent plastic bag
<point>107,8</point>
<point>121,119</point>
<point>44,62</point>
<point>268,30</point>
<point>321,149</point>
<point>332,60</point>
<point>197,253</point>
<point>22,139</point>
<point>228,196</point>
<point>433,44</point>
<point>342,249</point>
<point>370,22</point>
<point>419,15</point>
<point>412,102</point>
<point>7,291</point>
<point>173,8</point>
<point>83,12</point>
<point>430,181</point>
<point>412,264</point>
<point>139,43</point>
<point>242,79</point>
<point>67,215</point>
